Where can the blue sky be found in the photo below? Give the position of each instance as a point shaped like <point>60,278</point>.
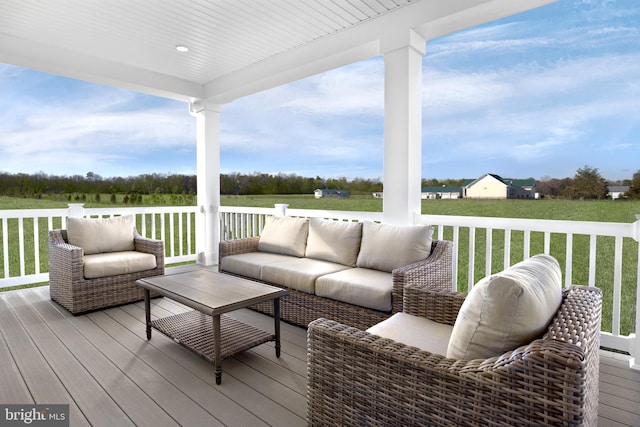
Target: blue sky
<point>539,94</point>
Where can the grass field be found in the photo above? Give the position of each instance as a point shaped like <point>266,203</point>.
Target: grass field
<point>603,211</point>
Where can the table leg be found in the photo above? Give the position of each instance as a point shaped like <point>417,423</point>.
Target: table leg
<point>276,317</point>
<point>216,344</point>
<point>147,312</point>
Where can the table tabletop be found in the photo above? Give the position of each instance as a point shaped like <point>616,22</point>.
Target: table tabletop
<point>209,291</point>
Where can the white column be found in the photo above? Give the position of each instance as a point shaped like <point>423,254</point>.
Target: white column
<point>402,127</point>
<point>634,361</point>
<point>208,180</point>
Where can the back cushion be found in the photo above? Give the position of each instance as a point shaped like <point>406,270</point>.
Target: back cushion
<point>507,310</point>
<point>100,235</point>
<point>284,235</point>
<point>334,241</point>
<point>386,247</point>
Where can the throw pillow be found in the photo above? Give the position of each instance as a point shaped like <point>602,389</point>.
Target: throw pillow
<point>387,247</point>
<point>100,235</point>
<point>334,241</point>
<point>284,235</point>
<point>507,310</point>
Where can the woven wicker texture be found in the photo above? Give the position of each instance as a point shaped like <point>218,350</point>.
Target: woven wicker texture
<point>355,378</point>
<point>69,288</point>
<point>194,330</point>
<point>301,308</point>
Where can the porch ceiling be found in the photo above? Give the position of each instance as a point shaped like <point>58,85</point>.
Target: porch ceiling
<point>236,47</point>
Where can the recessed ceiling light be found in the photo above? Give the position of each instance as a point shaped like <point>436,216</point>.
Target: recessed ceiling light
<point>182,48</point>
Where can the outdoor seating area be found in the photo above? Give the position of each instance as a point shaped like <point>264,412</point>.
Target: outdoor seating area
<point>94,263</point>
<point>103,366</point>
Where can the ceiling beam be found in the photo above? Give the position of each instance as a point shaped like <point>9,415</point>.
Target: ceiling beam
<point>429,18</point>
<point>59,61</point>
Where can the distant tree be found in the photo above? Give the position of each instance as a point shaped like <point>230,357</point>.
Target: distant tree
<point>588,184</point>
<point>634,188</point>
<point>552,187</point>
<point>97,197</point>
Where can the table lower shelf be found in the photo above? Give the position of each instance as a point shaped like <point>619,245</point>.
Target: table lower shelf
<point>194,330</point>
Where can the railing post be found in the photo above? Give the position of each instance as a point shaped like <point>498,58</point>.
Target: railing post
<point>76,210</point>
<point>634,361</point>
<point>281,209</point>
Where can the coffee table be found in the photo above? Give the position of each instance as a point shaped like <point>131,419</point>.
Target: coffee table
<point>205,330</point>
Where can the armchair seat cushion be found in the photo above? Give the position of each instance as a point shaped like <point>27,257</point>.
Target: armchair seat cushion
<point>117,263</point>
<point>415,331</point>
<point>358,286</point>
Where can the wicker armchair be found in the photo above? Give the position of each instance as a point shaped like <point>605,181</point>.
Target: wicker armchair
<point>356,378</point>
<point>70,289</point>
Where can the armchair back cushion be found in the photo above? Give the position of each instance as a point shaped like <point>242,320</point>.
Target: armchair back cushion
<point>334,241</point>
<point>387,247</point>
<point>507,310</point>
<point>284,235</point>
<point>101,235</point>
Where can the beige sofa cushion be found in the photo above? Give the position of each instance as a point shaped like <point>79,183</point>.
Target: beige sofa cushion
<point>386,247</point>
<point>358,286</point>
<point>334,241</point>
<point>299,273</point>
<point>116,263</point>
<point>284,235</point>
<point>507,310</point>
<point>415,331</point>
<point>250,264</point>
<point>99,235</point>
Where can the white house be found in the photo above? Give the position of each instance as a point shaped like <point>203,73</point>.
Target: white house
<point>617,191</point>
<point>492,186</point>
<point>442,192</point>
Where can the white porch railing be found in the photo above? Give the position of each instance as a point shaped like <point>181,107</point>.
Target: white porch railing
<point>599,254</point>
<point>24,236</point>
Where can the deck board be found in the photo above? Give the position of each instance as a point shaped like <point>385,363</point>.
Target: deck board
<point>125,393</point>
<point>42,382</point>
<point>619,392</point>
<point>101,363</point>
<point>77,380</point>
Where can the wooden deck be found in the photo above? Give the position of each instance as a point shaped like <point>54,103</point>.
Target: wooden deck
<point>102,365</point>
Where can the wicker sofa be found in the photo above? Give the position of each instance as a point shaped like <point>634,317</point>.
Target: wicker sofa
<point>94,263</point>
<point>358,377</point>
<point>346,271</point>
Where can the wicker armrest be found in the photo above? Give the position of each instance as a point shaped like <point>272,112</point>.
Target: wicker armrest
<point>63,257</point>
<point>148,245</point>
<point>356,378</point>
<point>239,246</point>
<point>439,306</point>
<point>434,271</point>
<point>151,246</point>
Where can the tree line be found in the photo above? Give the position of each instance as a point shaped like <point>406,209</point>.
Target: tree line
<point>587,183</point>
<point>36,185</point>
